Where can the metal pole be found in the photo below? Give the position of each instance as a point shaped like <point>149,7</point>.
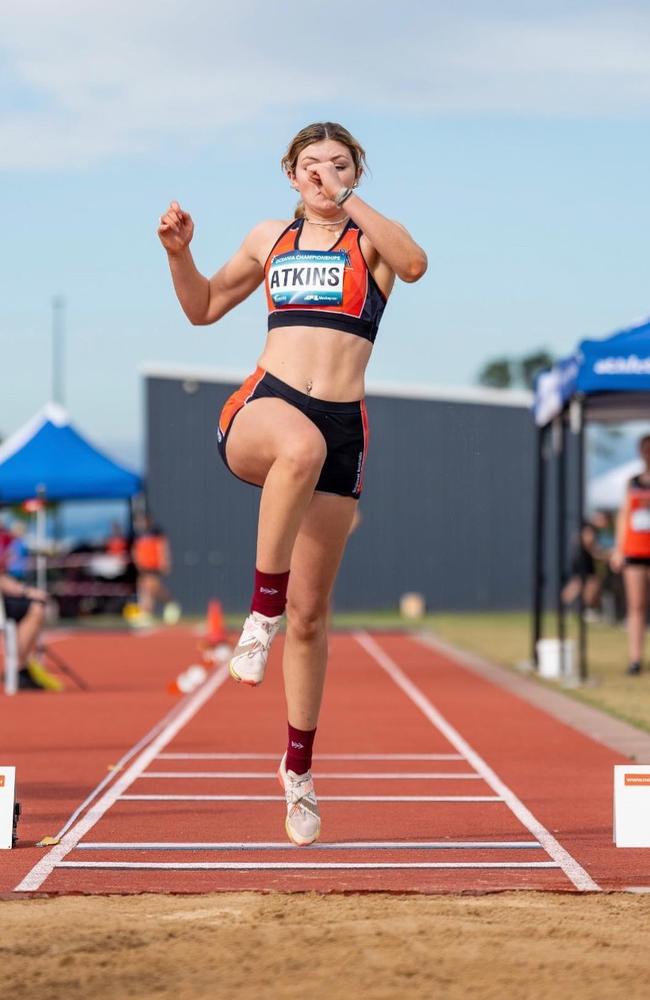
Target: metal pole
<point>578,427</point>
<point>58,382</point>
<point>10,656</point>
<point>58,349</point>
<point>41,535</point>
<point>538,544</point>
<point>559,428</point>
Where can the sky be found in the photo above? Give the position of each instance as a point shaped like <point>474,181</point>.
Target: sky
<point>511,139</point>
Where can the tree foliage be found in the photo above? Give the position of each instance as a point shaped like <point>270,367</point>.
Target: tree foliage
<point>515,373</point>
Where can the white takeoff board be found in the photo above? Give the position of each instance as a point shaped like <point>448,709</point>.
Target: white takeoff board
<point>632,805</point>
<point>7,801</point>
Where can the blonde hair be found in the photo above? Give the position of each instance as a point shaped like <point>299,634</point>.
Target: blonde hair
<point>316,132</point>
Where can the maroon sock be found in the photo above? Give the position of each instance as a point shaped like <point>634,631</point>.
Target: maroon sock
<point>270,593</point>
<point>299,749</point>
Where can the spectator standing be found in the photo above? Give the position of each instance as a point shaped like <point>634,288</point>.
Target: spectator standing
<point>632,555</point>
<point>152,557</point>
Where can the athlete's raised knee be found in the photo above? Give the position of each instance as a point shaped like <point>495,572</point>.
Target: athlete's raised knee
<point>303,455</point>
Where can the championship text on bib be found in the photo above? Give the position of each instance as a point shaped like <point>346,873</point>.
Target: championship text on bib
<point>308,278</point>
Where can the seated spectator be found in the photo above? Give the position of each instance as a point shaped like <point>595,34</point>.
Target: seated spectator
<point>584,575</point>
<point>26,607</point>
<point>5,537</point>
<point>17,552</point>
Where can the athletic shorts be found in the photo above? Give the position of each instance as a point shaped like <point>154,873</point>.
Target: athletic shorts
<point>343,425</point>
<point>583,564</point>
<point>16,607</point>
<point>637,561</point>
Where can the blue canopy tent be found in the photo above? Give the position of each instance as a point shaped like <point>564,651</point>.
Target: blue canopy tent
<point>48,458</point>
<point>603,381</point>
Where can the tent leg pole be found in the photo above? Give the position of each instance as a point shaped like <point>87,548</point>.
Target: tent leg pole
<point>560,534</point>
<point>582,627</point>
<point>538,545</point>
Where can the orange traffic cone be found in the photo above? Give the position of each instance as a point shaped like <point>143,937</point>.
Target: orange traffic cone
<point>216,628</point>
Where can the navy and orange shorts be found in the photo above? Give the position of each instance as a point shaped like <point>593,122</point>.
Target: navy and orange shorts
<point>343,425</point>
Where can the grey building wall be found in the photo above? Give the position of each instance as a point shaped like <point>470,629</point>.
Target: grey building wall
<point>446,508</point>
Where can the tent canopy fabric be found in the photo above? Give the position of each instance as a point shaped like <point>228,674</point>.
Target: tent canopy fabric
<point>612,369</point>
<point>49,458</point>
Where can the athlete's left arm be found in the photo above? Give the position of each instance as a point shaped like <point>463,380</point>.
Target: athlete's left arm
<point>389,239</point>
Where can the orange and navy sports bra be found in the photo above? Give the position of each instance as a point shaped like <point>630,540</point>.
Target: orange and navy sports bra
<point>332,288</point>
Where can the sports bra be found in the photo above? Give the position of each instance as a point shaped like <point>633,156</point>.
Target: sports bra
<point>332,288</point>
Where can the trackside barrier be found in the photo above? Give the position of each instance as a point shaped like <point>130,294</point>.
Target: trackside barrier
<point>632,805</point>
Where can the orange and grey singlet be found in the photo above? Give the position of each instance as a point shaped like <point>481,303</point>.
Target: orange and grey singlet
<point>327,288</point>
<point>149,553</point>
<point>636,537</point>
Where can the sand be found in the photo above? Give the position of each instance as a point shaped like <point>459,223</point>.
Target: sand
<point>249,946</point>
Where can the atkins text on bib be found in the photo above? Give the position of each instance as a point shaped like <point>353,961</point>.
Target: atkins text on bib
<point>307,278</point>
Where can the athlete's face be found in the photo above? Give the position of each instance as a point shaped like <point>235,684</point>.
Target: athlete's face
<point>323,168</point>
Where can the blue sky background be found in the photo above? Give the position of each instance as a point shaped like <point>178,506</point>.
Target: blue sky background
<point>510,138</point>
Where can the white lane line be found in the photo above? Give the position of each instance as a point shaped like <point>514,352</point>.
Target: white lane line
<point>301,865</point>
<point>115,770</point>
<point>35,878</point>
<point>571,868</point>
<point>338,775</point>
<point>359,845</point>
<point>321,798</point>
<point>317,757</point>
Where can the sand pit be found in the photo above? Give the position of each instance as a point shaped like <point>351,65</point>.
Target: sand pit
<point>246,946</point>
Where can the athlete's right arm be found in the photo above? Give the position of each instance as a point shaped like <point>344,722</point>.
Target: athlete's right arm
<point>206,300</point>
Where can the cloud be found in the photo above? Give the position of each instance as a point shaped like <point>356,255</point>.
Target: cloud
<point>82,82</point>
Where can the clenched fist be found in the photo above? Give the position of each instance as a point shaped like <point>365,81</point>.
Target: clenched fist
<point>175,229</point>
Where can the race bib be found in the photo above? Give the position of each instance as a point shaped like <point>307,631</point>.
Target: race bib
<point>640,519</point>
<point>308,278</point>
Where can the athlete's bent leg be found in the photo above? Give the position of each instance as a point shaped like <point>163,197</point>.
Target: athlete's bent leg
<point>273,444</point>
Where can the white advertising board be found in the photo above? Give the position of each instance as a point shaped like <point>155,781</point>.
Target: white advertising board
<point>632,805</point>
<point>7,800</point>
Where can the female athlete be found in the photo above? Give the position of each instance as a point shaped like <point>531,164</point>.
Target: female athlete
<point>632,555</point>
<point>297,427</point>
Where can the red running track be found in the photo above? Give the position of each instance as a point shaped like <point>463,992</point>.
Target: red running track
<point>430,779</point>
